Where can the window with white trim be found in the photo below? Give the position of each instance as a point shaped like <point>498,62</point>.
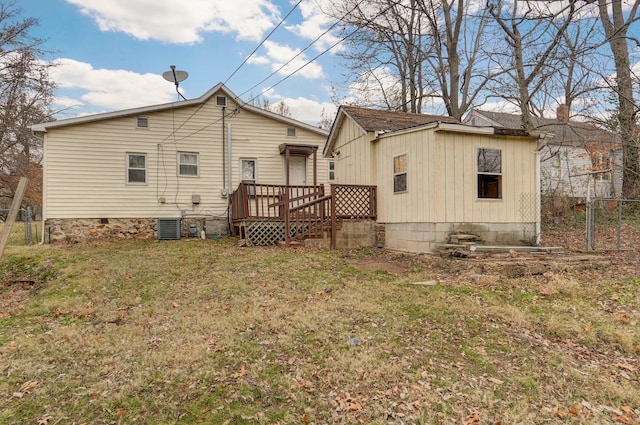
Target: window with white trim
<point>400,173</point>
<point>291,132</point>
<point>248,170</point>
<point>137,168</point>
<point>489,164</point>
<point>332,170</point>
<point>188,164</point>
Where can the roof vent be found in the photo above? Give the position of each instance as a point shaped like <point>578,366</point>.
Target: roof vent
<point>169,229</point>
<point>221,101</point>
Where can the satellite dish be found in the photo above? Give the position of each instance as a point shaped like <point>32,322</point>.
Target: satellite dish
<point>175,77</point>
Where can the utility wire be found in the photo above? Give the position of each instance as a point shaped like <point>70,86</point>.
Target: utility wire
<point>262,42</point>
<point>305,49</point>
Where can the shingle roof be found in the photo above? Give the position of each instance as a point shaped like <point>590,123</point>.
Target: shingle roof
<point>572,132</point>
<point>379,120</point>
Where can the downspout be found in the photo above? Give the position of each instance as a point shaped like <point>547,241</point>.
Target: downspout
<point>229,176</point>
<point>224,182</point>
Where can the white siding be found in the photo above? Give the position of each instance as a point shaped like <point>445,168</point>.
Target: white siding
<point>353,163</point>
<point>85,164</point>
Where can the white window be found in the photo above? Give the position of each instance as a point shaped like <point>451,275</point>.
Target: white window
<point>400,173</point>
<point>142,122</point>
<point>489,173</point>
<point>221,101</point>
<point>291,132</point>
<point>248,170</point>
<point>188,164</point>
<point>332,170</point>
<point>137,168</point>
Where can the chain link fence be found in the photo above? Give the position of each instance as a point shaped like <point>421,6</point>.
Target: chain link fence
<point>30,227</point>
<point>613,224</point>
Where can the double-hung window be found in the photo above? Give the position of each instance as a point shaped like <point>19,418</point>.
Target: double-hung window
<point>188,164</point>
<point>400,173</point>
<point>332,170</point>
<point>489,163</point>
<point>137,168</point>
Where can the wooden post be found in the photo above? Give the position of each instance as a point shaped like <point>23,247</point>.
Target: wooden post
<point>13,213</point>
<point>334,224</point>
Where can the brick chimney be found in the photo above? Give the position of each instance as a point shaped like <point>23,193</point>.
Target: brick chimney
<point>562,113</point>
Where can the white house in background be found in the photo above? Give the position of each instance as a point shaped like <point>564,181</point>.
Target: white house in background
<point>436,177</point>
<point>117,173</point>
<point>579,156</point>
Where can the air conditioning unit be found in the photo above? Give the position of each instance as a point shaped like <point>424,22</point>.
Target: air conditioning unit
<point>169,229</point>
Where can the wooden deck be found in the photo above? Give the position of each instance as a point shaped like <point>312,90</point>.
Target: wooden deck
<point>266,214</point>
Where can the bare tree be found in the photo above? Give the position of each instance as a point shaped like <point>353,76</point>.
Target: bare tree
<point>26,92</point>
<point>616,27</point>
<point>457,36</point>
<point>532,36</point>
<point>385,54</point>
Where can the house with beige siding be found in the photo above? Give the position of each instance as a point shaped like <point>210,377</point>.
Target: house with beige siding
<point>437,178</point>
<point>121,173</point>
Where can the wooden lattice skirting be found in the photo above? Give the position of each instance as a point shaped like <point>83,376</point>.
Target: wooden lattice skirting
<point>264,233</point>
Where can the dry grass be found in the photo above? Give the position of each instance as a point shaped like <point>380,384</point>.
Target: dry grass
<point>196,332</point>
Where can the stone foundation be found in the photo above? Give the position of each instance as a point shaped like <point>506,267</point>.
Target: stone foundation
<point>76,230</point>
<point>85,229</point>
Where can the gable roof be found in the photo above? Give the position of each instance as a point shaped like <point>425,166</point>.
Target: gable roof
<point>380,121</point>
<point>217,89</point>
<point>568,133</point>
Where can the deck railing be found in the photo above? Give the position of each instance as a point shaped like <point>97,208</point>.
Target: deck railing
<point>305,209</point>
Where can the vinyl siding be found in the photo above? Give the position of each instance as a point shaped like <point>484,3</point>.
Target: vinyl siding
<point>353,164</point>
<point>85,164</point>
<point>442,179</point>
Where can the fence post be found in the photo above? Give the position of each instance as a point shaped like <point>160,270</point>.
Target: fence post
<point>28,234</point>
<point>590,230</point>
<point>333,217</point>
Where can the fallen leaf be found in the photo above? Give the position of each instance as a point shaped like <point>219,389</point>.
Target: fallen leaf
<point>354,406</point>
<point>473,418</point>
<point>628,367</point>
<point>495,381</point>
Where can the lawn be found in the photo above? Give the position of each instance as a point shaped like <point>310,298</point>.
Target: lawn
<point>194,332</point>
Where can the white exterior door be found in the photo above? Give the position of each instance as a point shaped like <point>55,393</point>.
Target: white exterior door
<point>297,170</point>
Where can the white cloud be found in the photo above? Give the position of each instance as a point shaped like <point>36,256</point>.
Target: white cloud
<point>181,22</point>
<point>110,89</point>
<point>315,21</point>
<point>278,55</point>
<point>304,109</point>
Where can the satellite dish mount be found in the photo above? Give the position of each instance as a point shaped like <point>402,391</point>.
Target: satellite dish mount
<point>175,77</point>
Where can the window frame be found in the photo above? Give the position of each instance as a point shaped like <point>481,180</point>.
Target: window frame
<point>397,174</point>
<point>331,170</point>
<point>128,167</point>
<point>180,163</point>
<point>255,169</point>
<point>485,178</point>
<point>292,132</point>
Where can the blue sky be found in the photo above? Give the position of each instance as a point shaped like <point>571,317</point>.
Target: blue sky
<point>111,53</point>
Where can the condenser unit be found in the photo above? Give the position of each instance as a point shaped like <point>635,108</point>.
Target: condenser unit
<point>169,229</point>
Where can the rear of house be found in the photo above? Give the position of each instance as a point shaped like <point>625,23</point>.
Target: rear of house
<point>116,174</point>
<point>438,178</point>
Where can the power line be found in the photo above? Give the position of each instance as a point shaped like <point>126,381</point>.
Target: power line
<point>262,42</point>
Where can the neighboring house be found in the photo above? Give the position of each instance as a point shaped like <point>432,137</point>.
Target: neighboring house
<point>436,177</point>
<point>579,157</point>
<point>117,173</point>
